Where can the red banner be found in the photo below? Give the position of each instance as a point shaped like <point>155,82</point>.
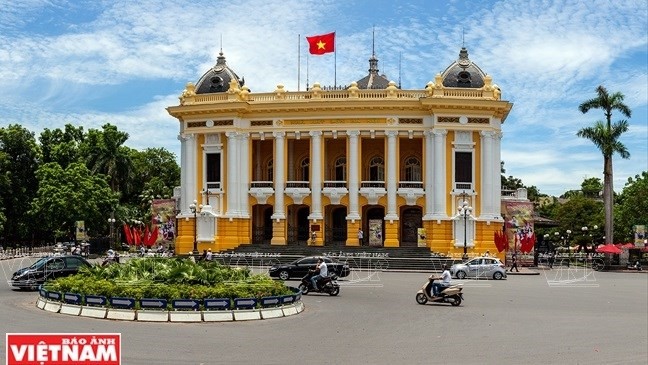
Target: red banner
<point>63,348</point>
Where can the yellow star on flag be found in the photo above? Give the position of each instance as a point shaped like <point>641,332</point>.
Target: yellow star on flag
<point>321,45</point>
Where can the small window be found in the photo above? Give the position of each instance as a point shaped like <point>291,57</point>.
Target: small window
<point>376,169</point>
<point>304,167</point>
<point>270,170</point>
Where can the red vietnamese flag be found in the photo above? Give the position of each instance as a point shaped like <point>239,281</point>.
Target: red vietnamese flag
<point>321,44</point>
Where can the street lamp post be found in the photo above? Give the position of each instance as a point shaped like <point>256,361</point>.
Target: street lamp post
<point>195,209</point>
<point>568,248</point>
<point>464,211</point>
<point>111,221</point>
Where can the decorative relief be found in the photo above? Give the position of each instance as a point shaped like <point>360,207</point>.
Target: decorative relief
<point>410,121</point>
<point>223,122</point>
<point>260,123</point>
<point>392,121</point>
<point>212,138</point>
<point>196,124</point>
<point>448,119</point>
<point>334,121</point>
<point>479,120</point>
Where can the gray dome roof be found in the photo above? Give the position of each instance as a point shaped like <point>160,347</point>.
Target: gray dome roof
<point>463,73</point>
<point>373,80</point>
<point>218,78</point>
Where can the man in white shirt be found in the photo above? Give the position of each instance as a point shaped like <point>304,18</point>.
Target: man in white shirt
<point>445,278</point>
<point>323,272</point>
<point>209,255</point>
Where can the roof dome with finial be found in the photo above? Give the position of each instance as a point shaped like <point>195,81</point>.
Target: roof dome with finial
<point>373,80</point>
<point>463,73</point>
<point>218,78</point>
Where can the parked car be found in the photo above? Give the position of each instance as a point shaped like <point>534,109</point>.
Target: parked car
<point>299,268</point>
<point>479,267</point>
<point>45,269</point>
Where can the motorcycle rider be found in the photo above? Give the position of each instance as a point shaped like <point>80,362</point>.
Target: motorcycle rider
<point>322,272</point>
<point>445,278</point>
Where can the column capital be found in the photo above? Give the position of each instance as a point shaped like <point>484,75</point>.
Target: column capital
<point>279,135</point>
<point>353,133</point>
<point>440,132</point>
<point>243,135</point>
<point>315,133</point>
<point>428,133</point>
<point>488,134</point>
<point>231,135</point>
<point>391,133</point>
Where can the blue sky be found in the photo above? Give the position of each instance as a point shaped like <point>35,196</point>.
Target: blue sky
<point>124,62</point>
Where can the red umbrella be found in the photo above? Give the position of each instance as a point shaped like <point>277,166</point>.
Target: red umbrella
<point>627,245</point>
<point>610,248</point>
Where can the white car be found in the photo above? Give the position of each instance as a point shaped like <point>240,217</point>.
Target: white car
<point>479,267</point>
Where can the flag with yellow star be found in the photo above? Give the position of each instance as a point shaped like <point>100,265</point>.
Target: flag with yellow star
<point>321,44</point>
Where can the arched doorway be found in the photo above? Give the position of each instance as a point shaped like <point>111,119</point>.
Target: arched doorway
<point>261,224</point>
<point>411,219</point>
<point>298,224</point>
<point>336,225</point>
<point>374,225</point>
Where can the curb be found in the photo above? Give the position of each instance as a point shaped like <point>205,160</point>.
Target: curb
<point>142,315</point>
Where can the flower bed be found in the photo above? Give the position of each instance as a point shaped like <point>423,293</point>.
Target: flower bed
<point>169,279</point>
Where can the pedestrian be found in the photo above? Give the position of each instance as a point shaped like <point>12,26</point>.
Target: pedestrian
<point>360,235</point>
<point>514,264</point>
<point>204,255</point>
<point>209,256</point>
<point>487,254</point>
<point>551,259</point>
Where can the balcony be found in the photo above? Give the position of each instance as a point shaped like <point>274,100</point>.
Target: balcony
<point>297,190</point>
<point>335,191</point>
<point>373,191</point>
<point>410,191</point>
<point>261,190</point>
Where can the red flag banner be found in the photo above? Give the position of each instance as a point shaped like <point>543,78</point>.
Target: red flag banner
<point>128,234</point>
<point>321,44</point>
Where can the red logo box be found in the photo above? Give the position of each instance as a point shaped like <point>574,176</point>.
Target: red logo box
<point>63,348</point>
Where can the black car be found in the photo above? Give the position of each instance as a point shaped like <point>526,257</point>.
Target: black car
<point>47,268</point>
<point>299,268</point>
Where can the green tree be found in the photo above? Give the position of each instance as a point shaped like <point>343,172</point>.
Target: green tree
<point>605,137</point>
<point>155,173</point>
<point>21,158</point>
<point>632,206</point>
<point>68,195</point>
<point>107,155</point>
<point>62,146</point>
<point>579,212</point>
<point>592,187</point>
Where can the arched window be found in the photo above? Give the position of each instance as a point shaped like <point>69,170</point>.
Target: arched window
<point>270,170</point>
<point>304,169</point>
<point>376,169</point>
<point>412,169</point>
<point>340,169</point>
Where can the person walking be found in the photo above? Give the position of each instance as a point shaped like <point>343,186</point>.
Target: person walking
<point>360,236</point>
<point>209,255</point>
<point>514,264</point>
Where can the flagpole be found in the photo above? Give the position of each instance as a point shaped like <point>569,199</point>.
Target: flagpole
<point>307,58</point>
<point>298,60</point>
<point>334,62</point>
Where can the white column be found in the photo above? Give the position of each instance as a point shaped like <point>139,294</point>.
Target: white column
<point>192,164</point>
<point>257,157</point>
<point>429,175</point>
<point>232,171</point>
<point>244,174</point>
<point>353,175</point>
<point>497,186</point>
<point>391,175</point>
<point>316,174</point>
<point>439,173</point>
<point>486,209</point>
<point>279,175</point>
<point>184,170</point>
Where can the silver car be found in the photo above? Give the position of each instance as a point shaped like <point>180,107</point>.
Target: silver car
<point>479,267</point>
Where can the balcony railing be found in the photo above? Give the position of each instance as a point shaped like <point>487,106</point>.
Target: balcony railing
<point>261,184</point>
<point>410,185</point>
<point>335,184</point>
<point>297,184</point>
<point>372,184</point>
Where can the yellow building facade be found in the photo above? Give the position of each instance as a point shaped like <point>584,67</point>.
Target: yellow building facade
<point>316,167</point>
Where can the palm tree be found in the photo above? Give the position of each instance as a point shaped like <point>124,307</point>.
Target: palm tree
<point>605,137</point>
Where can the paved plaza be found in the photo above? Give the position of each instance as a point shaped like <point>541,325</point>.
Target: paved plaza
<point>557,317</point>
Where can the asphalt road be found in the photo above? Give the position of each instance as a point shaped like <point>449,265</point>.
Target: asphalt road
<point>552,318</point>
